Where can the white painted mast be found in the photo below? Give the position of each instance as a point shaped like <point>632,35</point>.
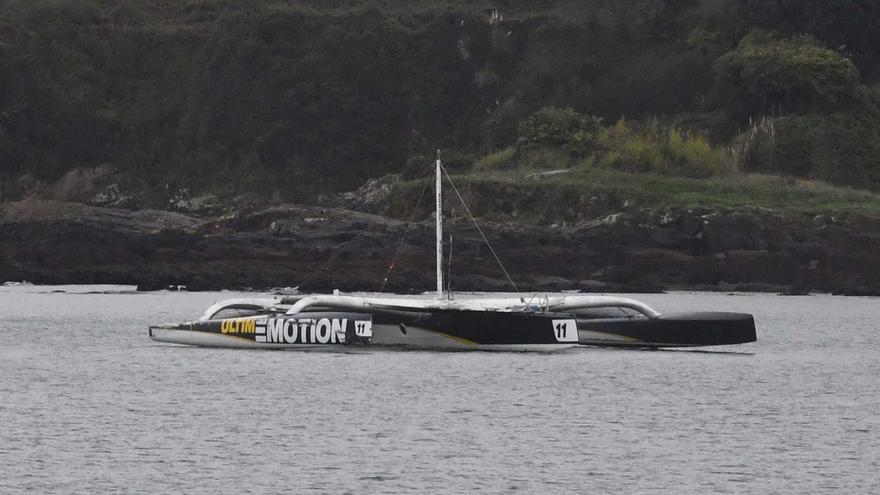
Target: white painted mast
<point>439,224</point>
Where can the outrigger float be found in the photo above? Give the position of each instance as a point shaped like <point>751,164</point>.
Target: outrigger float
<point>534,323</point>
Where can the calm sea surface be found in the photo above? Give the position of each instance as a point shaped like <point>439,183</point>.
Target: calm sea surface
<point>89,404</point>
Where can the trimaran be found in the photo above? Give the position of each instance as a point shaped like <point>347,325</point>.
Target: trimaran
<point>512,323</point>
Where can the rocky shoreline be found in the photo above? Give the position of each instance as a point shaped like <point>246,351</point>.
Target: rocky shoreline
<point>320,248</point>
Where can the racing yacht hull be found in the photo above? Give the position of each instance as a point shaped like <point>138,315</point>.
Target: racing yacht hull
<point>435,330</point>
<point>460,330</point>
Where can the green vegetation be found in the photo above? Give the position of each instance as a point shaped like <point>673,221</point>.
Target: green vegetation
<point>294,98</point>
<point>554,137</point>
<point>499,160</point>
<point>792,196</point>
<point>841,148</point>
<point>584,193</point>
<point>789,73</point>
<point>656,150</point>
<point>559,128</point>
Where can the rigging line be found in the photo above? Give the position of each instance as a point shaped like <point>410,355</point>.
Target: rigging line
<point>449,270</point>
<point>474,220</point>
<point>328,261</point>
<point>405,234</point>
<point>336,252</point>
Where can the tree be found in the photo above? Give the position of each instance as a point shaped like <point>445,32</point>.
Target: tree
<point>794,74</point>
<point>852,26</point>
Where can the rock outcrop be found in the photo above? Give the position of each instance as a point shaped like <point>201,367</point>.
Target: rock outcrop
<point>320,248</point>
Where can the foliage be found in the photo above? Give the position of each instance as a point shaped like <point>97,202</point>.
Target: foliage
<point>649,148</point>
<point>559,128</point>
<point>616,187</point>
<point>293,98</point>
<point>791,73</point>
<point>849,26</point>
<point>652,149</point>
<point>840,148</point>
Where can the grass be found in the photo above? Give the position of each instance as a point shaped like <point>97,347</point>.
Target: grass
<point>721,193</point>
<point>498,160</point>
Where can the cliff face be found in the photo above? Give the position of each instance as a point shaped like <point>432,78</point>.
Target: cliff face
<point>320,248</point>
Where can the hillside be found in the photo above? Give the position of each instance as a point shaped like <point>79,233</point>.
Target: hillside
<point>288,99</point>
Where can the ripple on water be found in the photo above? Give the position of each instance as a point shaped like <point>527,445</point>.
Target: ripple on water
<point>89,405</point>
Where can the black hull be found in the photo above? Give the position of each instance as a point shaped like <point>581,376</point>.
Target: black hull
<point>464,329</point>
<point>436,329</point>
<point>489,327</point>
<point>670,330</point>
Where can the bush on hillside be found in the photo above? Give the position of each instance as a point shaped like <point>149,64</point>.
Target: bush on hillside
<point>793,74</point>
<point>653,149</point>
<point>559,128</point>
<point>840,148</point>
<point>839,23</point>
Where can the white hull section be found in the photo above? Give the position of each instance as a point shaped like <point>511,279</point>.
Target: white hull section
<point>502,304</point>
<point>205,339</point>
<point>383,336</point>
<point>420,338</point>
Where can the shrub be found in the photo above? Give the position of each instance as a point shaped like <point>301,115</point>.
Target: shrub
<point>652,149</point>
<point>693,156</point>
<point>559,128</point>
<point>840,148</point>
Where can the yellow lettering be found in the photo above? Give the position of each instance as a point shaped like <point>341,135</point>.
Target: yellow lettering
<point>238,326</point>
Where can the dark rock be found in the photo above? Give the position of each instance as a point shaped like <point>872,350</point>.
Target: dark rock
<point>372,197</point>
<point>321,248</point>
<point>550,283</point>
<point>592,286</point>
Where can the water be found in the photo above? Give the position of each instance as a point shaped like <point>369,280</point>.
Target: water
<point>90,405</point>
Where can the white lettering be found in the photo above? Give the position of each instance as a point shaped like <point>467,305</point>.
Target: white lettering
<point>274,330</point>
<point>322,331</point>
<point>260,331</point>
<point>304,332</point>
<point>290,331</point>
<point>299,331</point>
<point>337,329</point>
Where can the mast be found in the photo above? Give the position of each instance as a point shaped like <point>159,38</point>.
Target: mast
<point>439,224</point>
